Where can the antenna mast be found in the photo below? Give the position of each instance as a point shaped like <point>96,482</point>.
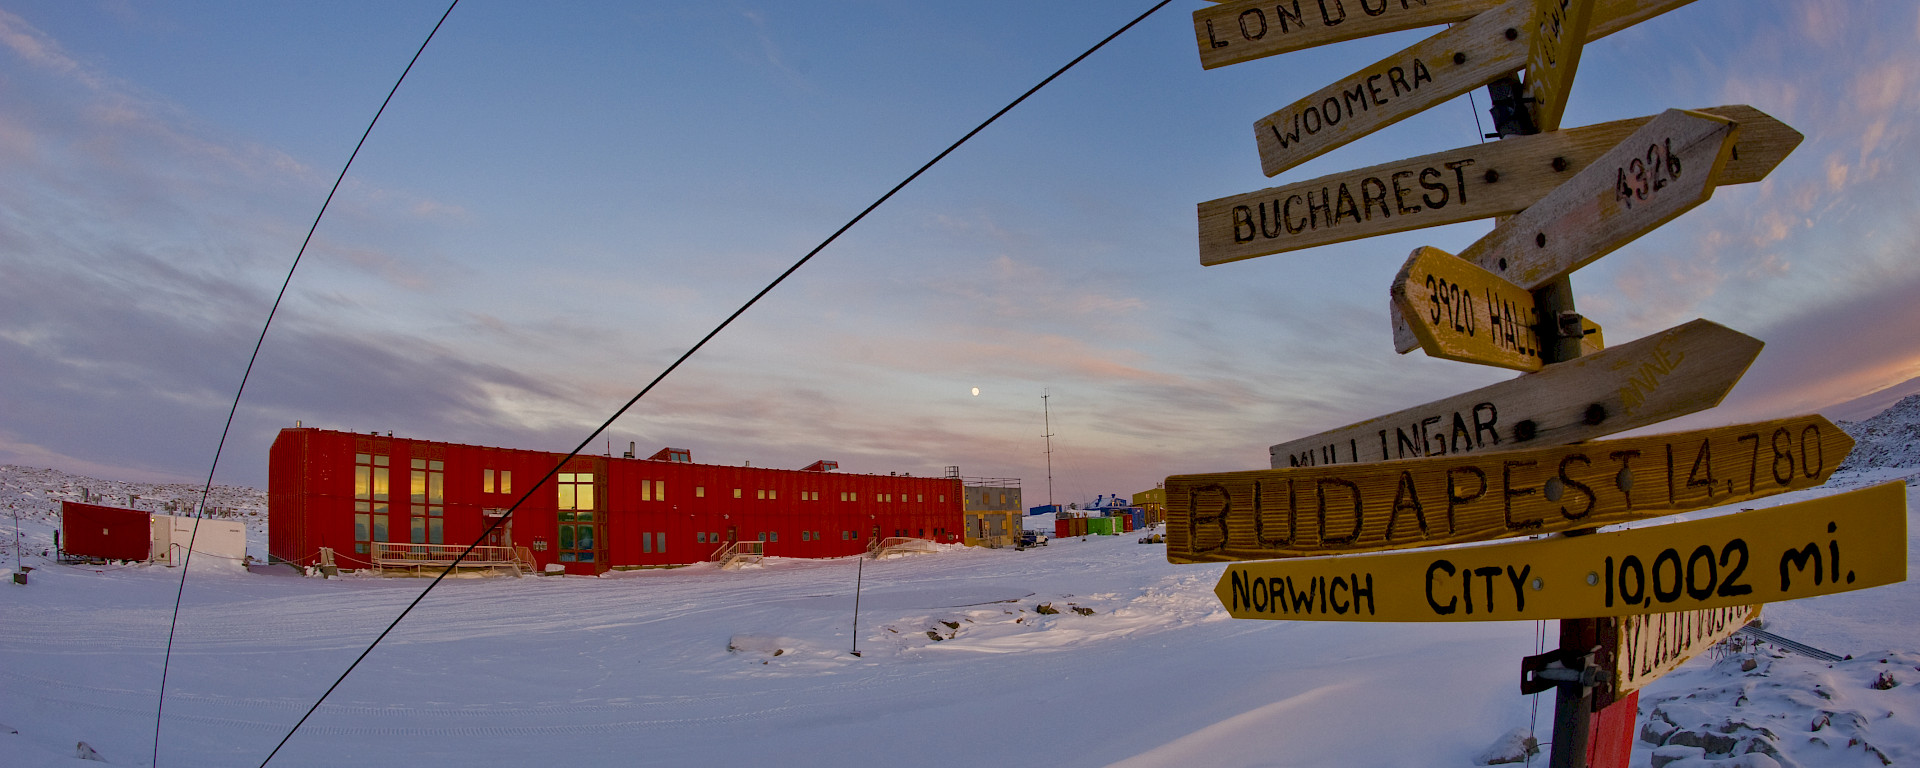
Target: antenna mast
<point>1047,414</point>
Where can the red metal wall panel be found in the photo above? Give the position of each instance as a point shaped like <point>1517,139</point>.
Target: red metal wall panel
<point>112,533</point>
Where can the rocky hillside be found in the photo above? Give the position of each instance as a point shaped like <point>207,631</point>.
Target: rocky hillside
<point>1889,440</point>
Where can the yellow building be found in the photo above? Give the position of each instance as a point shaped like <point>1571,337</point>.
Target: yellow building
<point>993,511</point>
<point>1154,502</point>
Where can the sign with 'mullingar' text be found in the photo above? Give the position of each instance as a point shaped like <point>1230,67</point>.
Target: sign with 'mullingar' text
<point>1832,544</point>
<point>1346,508</point>
<point>1673,373</point>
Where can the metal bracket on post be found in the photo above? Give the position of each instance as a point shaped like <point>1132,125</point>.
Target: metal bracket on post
<point>1511,117</point>
<point>1560,667</point>
<point>1570,325</point>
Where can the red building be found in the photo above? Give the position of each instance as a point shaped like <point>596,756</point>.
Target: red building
<point>349,492</point>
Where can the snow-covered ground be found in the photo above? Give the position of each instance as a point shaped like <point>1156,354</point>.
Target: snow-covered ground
<point>958,667</point>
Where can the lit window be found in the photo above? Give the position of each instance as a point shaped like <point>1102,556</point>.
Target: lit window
<point>761,494</point>
<point>659,490</point>
<point>699,491</point>
<point>646,491</point>
<point>919,497</point>
<point>506,481</point>
<point>736,493</point>
<point>486,481</point>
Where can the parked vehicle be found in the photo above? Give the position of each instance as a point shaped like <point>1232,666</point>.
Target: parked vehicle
<point>1031,538</point>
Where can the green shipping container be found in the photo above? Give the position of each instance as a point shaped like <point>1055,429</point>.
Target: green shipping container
<point>1102,526</point>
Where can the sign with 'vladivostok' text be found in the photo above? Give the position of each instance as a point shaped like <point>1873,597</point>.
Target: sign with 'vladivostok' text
<point>1654,644</point>
<point>1346,508</point>
<point>1832,544</point>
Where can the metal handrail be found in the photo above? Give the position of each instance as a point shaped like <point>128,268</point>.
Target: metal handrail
<point>386,553</point>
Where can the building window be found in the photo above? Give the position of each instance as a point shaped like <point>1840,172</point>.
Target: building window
<point>659,490</point>
<point>646,491</point>
<point>486,481</point>
<point>646,542</point>
<point>700,537</point>
<point>776,537</point>
<point>699,491</point>
<point>577,528</point>
<point>919,497</point>
<point>773,493</point>
<point>429,491</point>
<point>736,493</point>
<point>662,538</point>
<point>371,488</point>
<point>761,494</point>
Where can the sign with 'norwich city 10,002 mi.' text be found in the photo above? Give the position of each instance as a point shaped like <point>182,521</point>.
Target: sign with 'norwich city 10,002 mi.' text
<point>1345,508</point>
<point>1832,544</point>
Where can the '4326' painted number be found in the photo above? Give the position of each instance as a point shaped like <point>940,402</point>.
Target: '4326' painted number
<point>1640,178</point>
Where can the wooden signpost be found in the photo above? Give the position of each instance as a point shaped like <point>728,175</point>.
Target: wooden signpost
<point>1507,460</point>
<point>1346,508</point>
<point>1480,181</point>
<point>1559,34</point>
<point>1683,370</point>
<point>1664,169</point>
<point>1654,644</point>
<point>1837,543</point>
<point>1458,311</point>
<point>1244,30</point>
<point>1428,73</point>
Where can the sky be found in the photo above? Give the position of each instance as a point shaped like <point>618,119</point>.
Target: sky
<point>561,200</point>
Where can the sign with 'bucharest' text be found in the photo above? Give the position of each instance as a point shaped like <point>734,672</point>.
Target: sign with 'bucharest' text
<point>1481,181</point>
<point>1347,508</point>
<point>1837,543</point>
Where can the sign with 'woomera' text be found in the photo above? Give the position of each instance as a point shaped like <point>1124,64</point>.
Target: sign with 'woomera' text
<point>1345,508</point>
<point>1832,544</point>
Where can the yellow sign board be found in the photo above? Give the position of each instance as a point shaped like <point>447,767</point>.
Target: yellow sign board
<point>1428,73</point>
<point>1244,30</point>
<point>1347,508</point>
<point>1559,32</point>
<point>1495,178</point>
<point>1669,374</point>
<point>1661,171</point>
<point>1459,311</point>
<point>1833,544</point>
<point>1654,644</point>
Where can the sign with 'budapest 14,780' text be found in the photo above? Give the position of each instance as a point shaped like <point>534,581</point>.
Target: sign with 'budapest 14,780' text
<point>1346,508</point>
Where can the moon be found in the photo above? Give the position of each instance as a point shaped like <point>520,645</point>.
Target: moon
<point>976,391</point>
